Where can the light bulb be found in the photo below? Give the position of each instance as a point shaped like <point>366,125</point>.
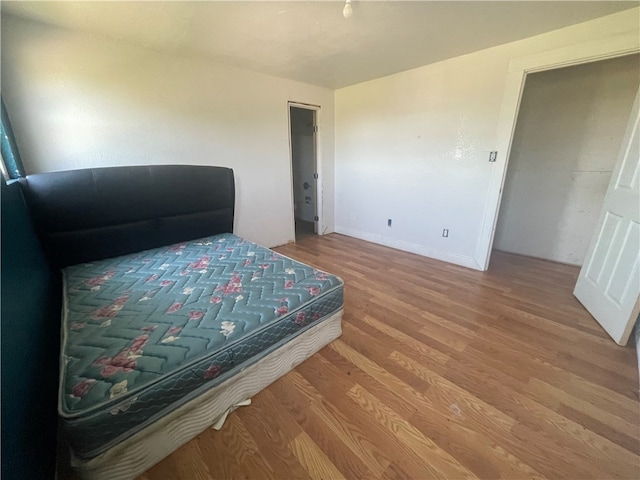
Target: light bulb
<point>347,10</point>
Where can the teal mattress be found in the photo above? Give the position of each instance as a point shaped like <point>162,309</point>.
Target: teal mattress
<point>145,333</point>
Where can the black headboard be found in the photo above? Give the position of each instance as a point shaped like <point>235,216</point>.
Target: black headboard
<point>96,213</point>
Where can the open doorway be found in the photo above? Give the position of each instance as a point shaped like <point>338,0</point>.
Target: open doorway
<point>568,132</point>
<point>303,130</point>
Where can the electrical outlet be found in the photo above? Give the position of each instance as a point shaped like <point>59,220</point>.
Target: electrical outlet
<point>445,232</point>
<point>388,222</point>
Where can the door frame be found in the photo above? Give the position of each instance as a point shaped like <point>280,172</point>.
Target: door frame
<point>593,51</point>
<point>317,167</point>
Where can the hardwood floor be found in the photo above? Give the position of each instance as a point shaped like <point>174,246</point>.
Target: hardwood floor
<point>441,372</point>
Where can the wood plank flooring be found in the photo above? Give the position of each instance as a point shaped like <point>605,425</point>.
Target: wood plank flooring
<point>441,372</point>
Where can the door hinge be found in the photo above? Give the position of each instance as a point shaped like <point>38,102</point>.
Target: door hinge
<point>315,129</point>
<point>315,176</point>
<point>316,218</point>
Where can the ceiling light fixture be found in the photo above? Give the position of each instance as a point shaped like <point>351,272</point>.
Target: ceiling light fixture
<point>347,10</point>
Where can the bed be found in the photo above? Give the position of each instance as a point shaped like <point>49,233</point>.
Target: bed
<point>169,321</point>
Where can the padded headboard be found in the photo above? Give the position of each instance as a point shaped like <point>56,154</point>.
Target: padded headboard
<point>96,213</point>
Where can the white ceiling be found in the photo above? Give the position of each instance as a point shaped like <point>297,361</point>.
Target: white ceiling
<point>311,41</point>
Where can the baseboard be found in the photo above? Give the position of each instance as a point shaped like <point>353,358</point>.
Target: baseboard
<point>537,257</point>
<point>636,337</point>
<point>425,251</point>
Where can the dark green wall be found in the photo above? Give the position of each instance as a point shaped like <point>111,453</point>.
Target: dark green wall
<point>29,335</point>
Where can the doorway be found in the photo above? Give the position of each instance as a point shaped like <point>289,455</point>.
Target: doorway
<point>303,131</point>
<point>568,132</point>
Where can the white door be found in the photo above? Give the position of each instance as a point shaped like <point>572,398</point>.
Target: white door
<point>609,282</point>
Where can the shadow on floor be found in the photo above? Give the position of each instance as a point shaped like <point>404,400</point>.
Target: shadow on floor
<point>303,229</point>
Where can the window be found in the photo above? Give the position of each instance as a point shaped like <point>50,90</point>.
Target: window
<point>11,163</point>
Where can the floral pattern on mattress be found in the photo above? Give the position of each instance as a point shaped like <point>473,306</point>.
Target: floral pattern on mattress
<point>143,333</point>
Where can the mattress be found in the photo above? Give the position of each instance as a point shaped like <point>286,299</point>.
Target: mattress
<point>146,333</point>
<point>141,451</point>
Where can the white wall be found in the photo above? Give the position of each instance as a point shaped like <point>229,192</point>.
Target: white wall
<point>77,100</point>
<point>569,130</point>
<point>414,146</point>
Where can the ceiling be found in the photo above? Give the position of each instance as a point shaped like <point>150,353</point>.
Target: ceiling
<point>311,41</point>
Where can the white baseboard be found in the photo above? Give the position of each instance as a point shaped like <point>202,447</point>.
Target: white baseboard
<point>425,251</point>
<point>636,337</point>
